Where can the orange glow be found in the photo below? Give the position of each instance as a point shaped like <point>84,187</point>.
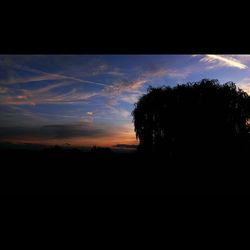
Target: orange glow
<point>124,136</point>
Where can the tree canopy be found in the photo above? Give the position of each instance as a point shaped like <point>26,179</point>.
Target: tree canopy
<point>193,116</point>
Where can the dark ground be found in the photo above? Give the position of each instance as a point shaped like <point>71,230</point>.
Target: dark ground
<point>59,171</point>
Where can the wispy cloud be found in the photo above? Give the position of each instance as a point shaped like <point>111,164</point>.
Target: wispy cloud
<point>130,90</point>
<point>43,76</point>
<point>162,71</point>
<point>242,58</point>
<point>120,87</point>
<point>13,114</point>
<point>29,79</point>
<point>113,89</point>
<point>102,68</point>
<point>88,117</point>
<point>124,113</point>
<point>3,90</point>
<point>244,84</point>
<point>223,61</point>
<point>130,98</point>
<point>45,96</point>
<point>143,77</point>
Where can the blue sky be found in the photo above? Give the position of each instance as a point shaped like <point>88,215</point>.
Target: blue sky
<point>86,100</point>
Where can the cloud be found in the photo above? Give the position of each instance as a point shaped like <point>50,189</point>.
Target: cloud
<point>223,61</point>
<point>70,131</point>
<point>3,90</point>
<point>124,113</point>
<point>128,86</point>
<point>130,98</point>
<point>133,86</point>
<point>29,79</point>
<point>28,96</point>
<point>72,96</point>
<point>102,68</point>
<point>244,84</point>
<point>22,97</point>
<point>43,76</point>
<point>13,115</point>
<point>89,117</point>
<point>120,87</point>
<point>156,72</point>
<point>53,94</point>
<point>45,96</point>
<point>242,58</point>
<point>130,89</point>
<point>52,132</point>
<point>113,112</point>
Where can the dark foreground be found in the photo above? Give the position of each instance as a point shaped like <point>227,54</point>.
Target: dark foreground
<point>72,172</point>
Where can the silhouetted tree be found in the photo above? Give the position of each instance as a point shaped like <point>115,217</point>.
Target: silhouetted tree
<point>193,117</point>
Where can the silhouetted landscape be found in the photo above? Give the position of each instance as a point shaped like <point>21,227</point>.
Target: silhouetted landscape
<point>193,140</point>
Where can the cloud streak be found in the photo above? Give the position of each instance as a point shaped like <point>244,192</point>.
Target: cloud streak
<point>44,95</point>
<point>157,72</point>
<point>120,87</point>
<point>223,61</point>
<point>114,89</point>
<point>43,76</point>
<point>130,98</point>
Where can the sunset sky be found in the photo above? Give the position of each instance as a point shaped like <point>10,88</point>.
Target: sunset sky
<point>86,100</point>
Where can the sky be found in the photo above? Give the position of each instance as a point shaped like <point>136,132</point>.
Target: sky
<point>87,100</point>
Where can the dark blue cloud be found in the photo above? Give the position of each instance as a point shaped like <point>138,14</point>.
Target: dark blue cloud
<point>52,132</point>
